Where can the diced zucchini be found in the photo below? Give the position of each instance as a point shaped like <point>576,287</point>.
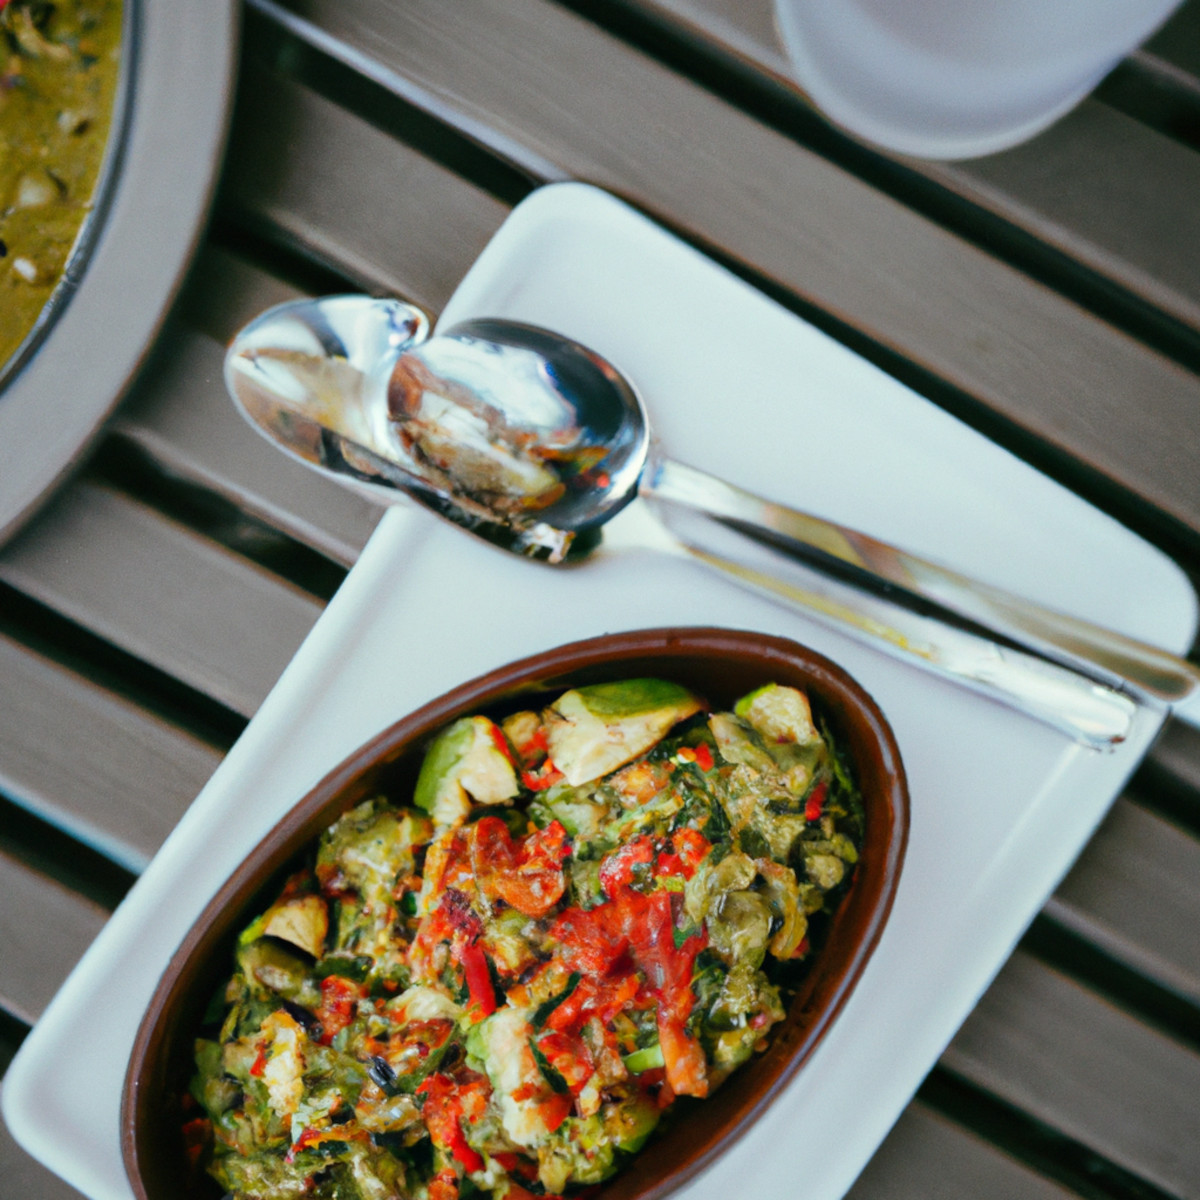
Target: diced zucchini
<point>645,1059</point>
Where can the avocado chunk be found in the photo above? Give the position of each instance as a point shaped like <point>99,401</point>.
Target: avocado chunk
<point>593,730</point>
<point>465,764</point>
<point>780,714</point>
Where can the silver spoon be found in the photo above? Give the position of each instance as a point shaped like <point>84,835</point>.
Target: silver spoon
<point>535,443</point>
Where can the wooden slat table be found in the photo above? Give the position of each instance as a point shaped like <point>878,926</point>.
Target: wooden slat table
<point>1049,295</point>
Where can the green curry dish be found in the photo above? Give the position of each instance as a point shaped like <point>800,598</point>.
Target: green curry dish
<point>501,990</point>
<point>58,80</point>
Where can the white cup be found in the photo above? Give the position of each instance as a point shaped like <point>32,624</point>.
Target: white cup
<point>957,78</point>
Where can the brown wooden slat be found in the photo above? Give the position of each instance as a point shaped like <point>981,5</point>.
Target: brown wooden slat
<point>606,113</point>
<point>1064,1056</point>
<point>225,292</point>
<point>1177,752</point>
<point>1111,193</point>
<point>183,418</point>
<point>115,776</point>
<point>1178,45</point>
<point>300,162</point>
<point>1135,893</point>
<point>747,30</point>
<point>44,929</point>
<point>927,1157</point>
<point>163,593</point>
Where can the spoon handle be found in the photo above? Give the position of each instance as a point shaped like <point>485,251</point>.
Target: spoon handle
<point>913,602</point>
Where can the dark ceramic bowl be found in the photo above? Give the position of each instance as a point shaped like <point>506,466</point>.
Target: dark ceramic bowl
<point>720,665</point>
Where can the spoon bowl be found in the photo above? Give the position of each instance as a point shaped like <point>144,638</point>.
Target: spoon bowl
<point>523,420</point>
<point>523,436</point>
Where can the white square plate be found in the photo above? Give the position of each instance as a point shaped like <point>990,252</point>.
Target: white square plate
<point>1001,805</point>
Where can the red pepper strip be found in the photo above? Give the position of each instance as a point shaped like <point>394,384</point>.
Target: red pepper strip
<point>683,1056</point>
<point>537,744</point>
<point>479,979</point>
<point>441,1112</point>
<point>704,758</point>
<point>547,775</point>
<point>501,742</point>
<point>259,1065</point>
<point>307,1136</point>
<point>668,970</point>
<point>816,802</point>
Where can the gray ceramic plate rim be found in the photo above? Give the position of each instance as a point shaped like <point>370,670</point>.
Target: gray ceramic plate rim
<point>177,86</point>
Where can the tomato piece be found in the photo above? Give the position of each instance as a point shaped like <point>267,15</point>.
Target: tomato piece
<point>444,1186</point>
<point>448,865</point>
<point>618,869</point>
<point>339,1003</point>
<point>569,1057</point>
<point>442,1112</point>
<point>452,923</point>
<point>704,758</point>
<point>687,849</point>
<point>691,846</point>
<point>555,1109</point>
<point>528,874</point>
<point>590,941</point>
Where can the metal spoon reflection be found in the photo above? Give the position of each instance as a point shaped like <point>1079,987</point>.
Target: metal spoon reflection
<point>534,442</point>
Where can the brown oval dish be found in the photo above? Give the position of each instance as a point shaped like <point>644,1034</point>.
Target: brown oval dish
<point>719,664</point>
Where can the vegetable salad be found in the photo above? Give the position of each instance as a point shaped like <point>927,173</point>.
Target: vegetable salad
<point>500,988</point>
